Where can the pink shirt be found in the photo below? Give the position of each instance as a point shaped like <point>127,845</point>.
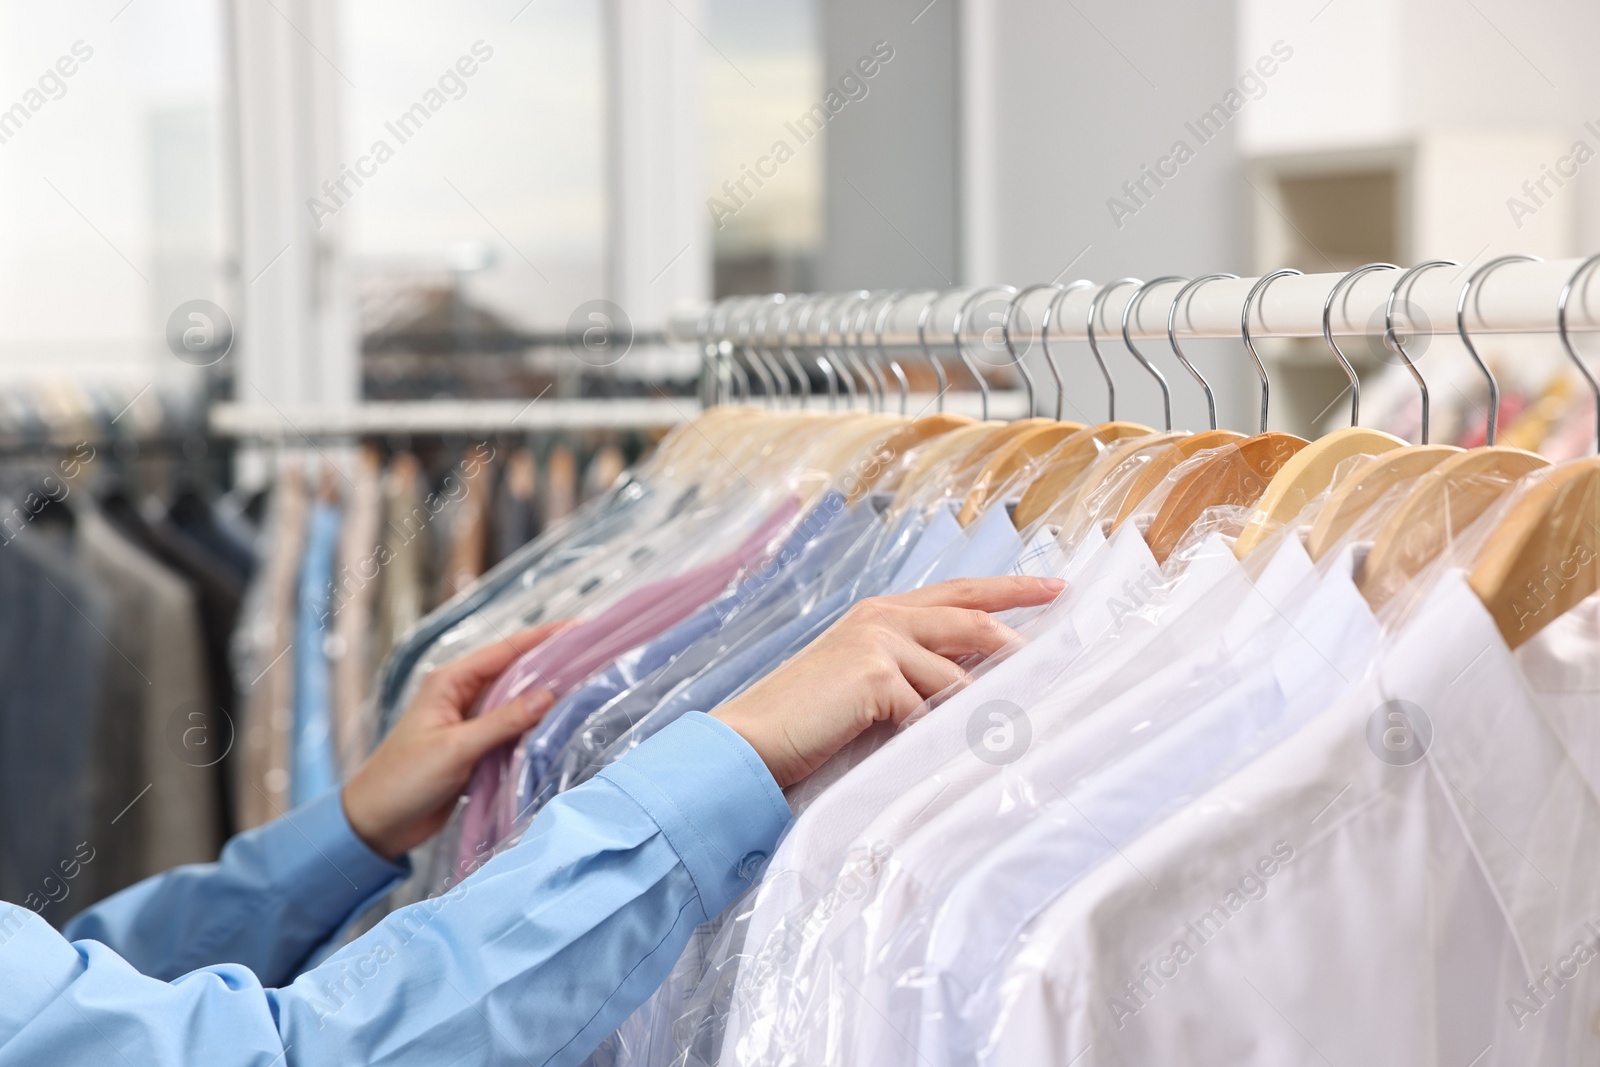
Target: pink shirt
<point>571,656</point>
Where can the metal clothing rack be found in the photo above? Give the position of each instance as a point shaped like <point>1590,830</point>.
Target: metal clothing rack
<point>1510,296</point>
<point>857,338</point>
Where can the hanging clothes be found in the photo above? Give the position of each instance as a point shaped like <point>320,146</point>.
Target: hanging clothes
<point>265,671</point>
<point>312,768</point>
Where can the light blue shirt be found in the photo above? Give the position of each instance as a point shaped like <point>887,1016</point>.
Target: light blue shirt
<point>312,771</point>
<point>535,958</point>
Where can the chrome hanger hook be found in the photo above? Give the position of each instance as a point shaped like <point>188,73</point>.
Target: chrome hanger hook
<point>769,388</point>
<point>893,364</point>
<point>1016,360</point>
<point>1256,291</point>
<point>1172,338</point>
<point>1493,430</point>
<point>1044,343</point>
<point>829,375</point>
<point>1128,310</point>
<point>724,352</point>
<point>1094,344</point>
<point>877,385</point>
<point>1327,333</point>
<point>927,353</point>
<point>1566,341</point>
<point>802,377</point>
<point>763,346</point>
<point>1392,340</point>
<point>708,383</point>
<point>824,328</point>
<point>961,351</point>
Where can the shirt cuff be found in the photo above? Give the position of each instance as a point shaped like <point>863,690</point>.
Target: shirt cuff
<point>714,800</point>
<point>338,876</point>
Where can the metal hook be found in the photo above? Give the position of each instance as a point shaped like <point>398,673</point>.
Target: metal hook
<point>1392,339</point>
<point>1044,343</point>
<point>927,353</point>
<point>1005,332</point>
<point>840,351</point>
<point>828,373</point>
<point>1249,345</point>
<point>961,351</point>
<point>1566,342</point>
<point>1127,340</point>
<point>832,356</point>
<point>894,364</point>
<point>1327,333</point>
<point>779,371</point>
<point>1493,430</point>
<point>877,386</point>
<point>769,388</point>
<point>874,365</point>
<point>1094,344</point>
<point>724,351</point>
<point>1172,339</point>
<point>702,330</point>
<point>802,376</point>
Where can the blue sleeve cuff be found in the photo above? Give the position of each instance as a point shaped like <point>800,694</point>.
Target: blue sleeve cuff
<point>338,876</point>
<point>714,800</point>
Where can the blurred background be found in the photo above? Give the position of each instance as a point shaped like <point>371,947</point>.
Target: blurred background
<point>270,156</point>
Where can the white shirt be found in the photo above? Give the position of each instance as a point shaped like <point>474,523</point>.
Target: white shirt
<point>1126,766</point>
<point>841,839</point>
<point>1326,905</point>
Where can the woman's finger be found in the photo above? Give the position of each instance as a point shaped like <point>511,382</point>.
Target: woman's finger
<point>984,594</point>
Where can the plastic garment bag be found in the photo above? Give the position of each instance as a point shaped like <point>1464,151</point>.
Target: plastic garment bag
<point>1409,879</point>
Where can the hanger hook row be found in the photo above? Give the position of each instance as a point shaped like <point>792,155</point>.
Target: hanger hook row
<point>1327,333</point>
<point>1391,339</point>
<point>961,349</point>
<point>1256,292</point>
<point>1566,341</point>
<point>1172,337</point>
<point>1493,430</point>
<point>888,307</point>
<point>1005,331</point>
<point>1128,311</point>
<point>1094,343</point>
<point>927,351</point>
<point>1044,341</point>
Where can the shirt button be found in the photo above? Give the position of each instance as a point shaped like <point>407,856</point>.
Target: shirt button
<point>750,865</point>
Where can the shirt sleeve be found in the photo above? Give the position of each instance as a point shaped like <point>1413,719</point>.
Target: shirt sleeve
<point>276,898</point>
<point>536,957</point>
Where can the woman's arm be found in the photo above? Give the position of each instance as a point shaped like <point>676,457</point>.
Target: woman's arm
<point>274,898</point>
<point>282,894</point>
<point>542,952</point>
<point>534,958</point>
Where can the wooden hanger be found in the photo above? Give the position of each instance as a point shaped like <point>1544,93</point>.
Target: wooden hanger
<point>1162,464</point>
<point>1376,479</point>
<point>1444,502</point>
<point>1544,556</point>
<point>1070,459</point>
<point>913,435</point>
<point>1312,470</point>
<point>1109,467</point>
<point>1306,476</point>
<point>1366,486</point>
<point>1235,477</point>
<point>1021,450</point>
<point>1460,489</point>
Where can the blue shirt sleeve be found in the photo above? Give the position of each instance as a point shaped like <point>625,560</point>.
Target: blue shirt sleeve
<point>536,957</point>
<point>274,900</point>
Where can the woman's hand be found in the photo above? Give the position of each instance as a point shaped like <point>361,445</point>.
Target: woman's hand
<point>879,662</point>
<point>404,792</point>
